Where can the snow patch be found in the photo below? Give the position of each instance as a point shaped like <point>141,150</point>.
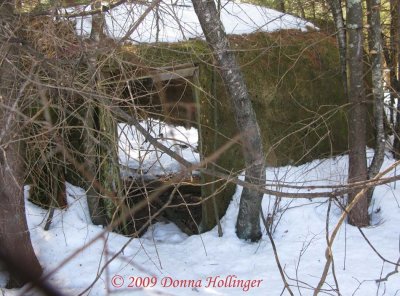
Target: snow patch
<point>174,21</point>
<point>138,156</point>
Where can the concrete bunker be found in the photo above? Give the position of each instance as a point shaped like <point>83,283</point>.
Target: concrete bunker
<point>296,88</point>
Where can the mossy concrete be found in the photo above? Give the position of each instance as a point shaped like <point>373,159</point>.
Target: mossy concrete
<point>296,89</point>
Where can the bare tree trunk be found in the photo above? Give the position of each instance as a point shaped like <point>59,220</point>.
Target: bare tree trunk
<point>248,223</point>
<point>301,9</point>
<point>375,41</point>
<point>337,13</point>
<point>357,113</point>
<point>95,201</point>
<point>313,9</point>
<point>398,40</point>
<point>394,65</point>
<point>14,234</point>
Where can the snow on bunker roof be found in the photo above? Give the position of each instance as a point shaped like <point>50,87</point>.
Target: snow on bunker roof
<point>174,21</point>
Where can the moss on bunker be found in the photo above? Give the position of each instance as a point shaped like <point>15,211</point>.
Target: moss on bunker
<point>294,81</point>
<point>295,84</point>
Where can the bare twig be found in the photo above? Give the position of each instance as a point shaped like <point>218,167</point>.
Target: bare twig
<point>369,242</point>
<point>327,241</point>
<point>328,251</point>
<point>287,286</point>
<point>396,270</point>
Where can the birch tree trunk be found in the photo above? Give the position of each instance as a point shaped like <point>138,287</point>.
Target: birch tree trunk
<point>377,87</point>
<point>248,223</point>
<point>357,113</point>
<point>15,242</point>
<point>337,13</point>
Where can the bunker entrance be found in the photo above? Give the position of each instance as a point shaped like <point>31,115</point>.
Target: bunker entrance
<point>166,105</point>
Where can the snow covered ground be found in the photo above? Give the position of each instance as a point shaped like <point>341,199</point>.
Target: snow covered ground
<point>176,20</point>
<point>165,257</point>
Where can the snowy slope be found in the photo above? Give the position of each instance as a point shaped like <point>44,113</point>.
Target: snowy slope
<point>166,254</point>
<point>176,20</point>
